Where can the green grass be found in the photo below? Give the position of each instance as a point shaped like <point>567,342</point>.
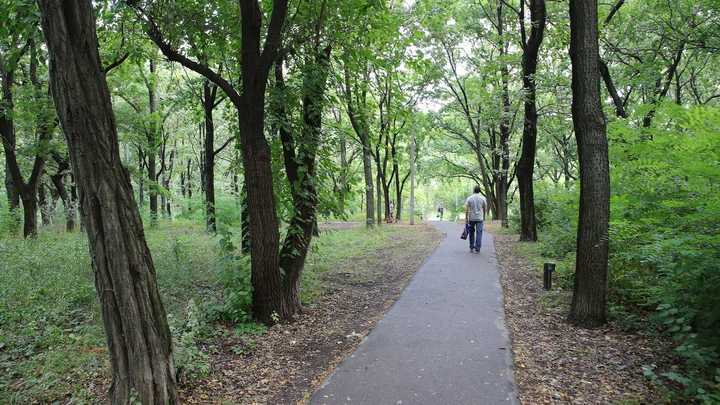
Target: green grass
<point>51,335</point>
<point>52,343</point>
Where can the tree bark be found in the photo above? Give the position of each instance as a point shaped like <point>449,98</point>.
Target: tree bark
<point>526,165</point>
<point>136,327</point>
<point>589,303</point>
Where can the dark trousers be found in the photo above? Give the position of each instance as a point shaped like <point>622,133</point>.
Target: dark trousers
<point>476,230</point>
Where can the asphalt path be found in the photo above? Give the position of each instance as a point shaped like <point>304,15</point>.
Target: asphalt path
<point>443,342</point>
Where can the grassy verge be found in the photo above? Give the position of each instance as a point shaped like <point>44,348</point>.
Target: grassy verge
<point>51,335</point>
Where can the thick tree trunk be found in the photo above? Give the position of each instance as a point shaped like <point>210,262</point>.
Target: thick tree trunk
<point>137,332</point>
<point>268,297</point>
<point>589,304</point>
<point>526,165</point>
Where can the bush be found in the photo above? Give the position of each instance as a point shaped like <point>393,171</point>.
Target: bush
<point>664,234</point>
<point>236,305</point>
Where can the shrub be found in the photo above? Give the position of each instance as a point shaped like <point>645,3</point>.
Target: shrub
<point>664,235</point>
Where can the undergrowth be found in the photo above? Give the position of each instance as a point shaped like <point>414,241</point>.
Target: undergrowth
<point>52,343</point>
<point>664,241</point>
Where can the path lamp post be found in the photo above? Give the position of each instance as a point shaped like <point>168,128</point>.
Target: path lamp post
<point>548,270</point>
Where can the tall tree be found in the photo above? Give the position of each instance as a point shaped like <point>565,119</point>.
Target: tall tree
<point>270,300</point>
<point>136,327</point>
<point>589,303</point>
<point>355,93</point>
<point>526,164</point>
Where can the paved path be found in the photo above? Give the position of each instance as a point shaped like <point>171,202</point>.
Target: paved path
<point>443,342</point>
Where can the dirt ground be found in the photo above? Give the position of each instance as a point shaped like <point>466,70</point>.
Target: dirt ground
<point>556,363</point>
<point>286,364</point>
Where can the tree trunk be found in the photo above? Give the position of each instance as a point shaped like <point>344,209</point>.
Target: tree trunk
<point>526,165</point>
<point>344,168</point>
<point>73,208</point>
<point>136,327</point>
<point>501,184</point>
<point>152,187</point>
<point>68,201</point>
<point>45,204</point>
<point>267,285</point>
<point>379,194</point>
<point>209,156</point>
<point>412,179</point>
<point>141,179</point>
<point>589,303</point>
<point>13,196</point>
<point>152,138</point>
<point>188,181</point>
<point>30,208</point>
<point>367,172</point>
<point>303,225</point>
<point>244,219</point>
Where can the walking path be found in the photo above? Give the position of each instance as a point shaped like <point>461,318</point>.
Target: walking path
<point>443,342</point>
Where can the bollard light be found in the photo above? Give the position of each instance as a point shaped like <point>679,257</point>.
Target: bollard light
<point>548,270</point>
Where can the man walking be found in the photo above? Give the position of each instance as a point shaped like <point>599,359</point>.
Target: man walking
<point>475,209</point>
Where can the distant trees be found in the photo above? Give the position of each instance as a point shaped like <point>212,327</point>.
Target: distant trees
<point>137,332</point>
<point>21,54</point>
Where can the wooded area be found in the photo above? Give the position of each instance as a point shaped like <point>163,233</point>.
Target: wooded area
<point>225,135</point>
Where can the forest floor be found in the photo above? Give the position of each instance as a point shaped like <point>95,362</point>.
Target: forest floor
<point>285,364</point>
<point>556,362</point>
